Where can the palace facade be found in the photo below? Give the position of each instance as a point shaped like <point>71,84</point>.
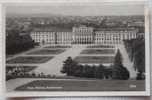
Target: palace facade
<point>83,35</point>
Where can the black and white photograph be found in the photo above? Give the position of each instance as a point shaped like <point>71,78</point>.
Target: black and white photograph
<point>76,47</point>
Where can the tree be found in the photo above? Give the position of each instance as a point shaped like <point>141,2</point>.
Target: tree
<point>78,71</point>
<point>69,66</point>
<point>15,41</point>
<point>99,72</point>
<point>118,70</point>
<point>118,58</point>
<point>139,57</point>
<point>87,71</point>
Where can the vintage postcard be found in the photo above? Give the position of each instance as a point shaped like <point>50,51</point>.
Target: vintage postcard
<point>76,49</point>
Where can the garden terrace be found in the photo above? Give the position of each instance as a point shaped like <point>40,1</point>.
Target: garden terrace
<point>98,51</point>
<point>29,59</point>
<point>82,85</point>
<point>46,52</point>
<point>95,59</point>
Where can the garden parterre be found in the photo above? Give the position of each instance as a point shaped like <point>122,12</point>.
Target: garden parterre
<point>98,51</point>
<point>94,59</point>
<point>47,51</point>
<point>29,59</point>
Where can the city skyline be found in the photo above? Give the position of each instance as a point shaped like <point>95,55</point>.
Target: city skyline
<point>74,9</point>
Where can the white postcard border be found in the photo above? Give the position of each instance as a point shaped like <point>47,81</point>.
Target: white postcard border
<point>54,94</point>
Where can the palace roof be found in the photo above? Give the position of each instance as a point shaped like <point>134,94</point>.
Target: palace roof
<point>51,29</point>
<point>59,29</point>
<point>116,29</point>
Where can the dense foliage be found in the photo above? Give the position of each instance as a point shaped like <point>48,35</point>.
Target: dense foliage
<point>17,40</point>
<point>72,68</point>
<point>118,70</point>
<point>136,51</point>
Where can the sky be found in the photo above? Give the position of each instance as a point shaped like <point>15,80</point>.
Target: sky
<point>75,9</point>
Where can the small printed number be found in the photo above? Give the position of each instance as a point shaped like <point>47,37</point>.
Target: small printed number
<point>132,86</point>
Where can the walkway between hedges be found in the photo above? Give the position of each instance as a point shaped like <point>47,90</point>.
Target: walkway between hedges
<point>55,65</point>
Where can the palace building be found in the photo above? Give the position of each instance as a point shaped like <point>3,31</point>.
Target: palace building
<point>83,35</point>
<point>114,35</point>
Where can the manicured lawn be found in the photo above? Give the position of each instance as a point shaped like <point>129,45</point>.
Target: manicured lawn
<point>46,51</point>
<point>98,51</point>
<point>58,46</point>
<point>83,85</point>
<point>29,59</point>
<point>100,46</point>
<point>94,59</point>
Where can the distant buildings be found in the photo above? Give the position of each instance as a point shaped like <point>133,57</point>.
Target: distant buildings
<point>83,35</point>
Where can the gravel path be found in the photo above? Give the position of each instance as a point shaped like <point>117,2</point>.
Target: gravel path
<point>126,61</point>
<point>54,66</point>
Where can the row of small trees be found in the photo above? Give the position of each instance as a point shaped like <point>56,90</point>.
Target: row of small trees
<point>25,73</point>
<point>72,68</point>
<point>115,71</point>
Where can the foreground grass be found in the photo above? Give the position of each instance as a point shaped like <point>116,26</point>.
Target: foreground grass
<point>83,85</point>
<point>58,46</point>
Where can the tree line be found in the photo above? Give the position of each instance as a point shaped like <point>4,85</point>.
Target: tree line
<point>136,51</point>
<point>16,41</point>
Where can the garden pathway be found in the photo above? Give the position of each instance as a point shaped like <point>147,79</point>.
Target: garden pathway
<point>126,61</point>
<point>55,65</point>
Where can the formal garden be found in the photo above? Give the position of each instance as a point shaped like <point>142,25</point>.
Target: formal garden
<point>86,78</point>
